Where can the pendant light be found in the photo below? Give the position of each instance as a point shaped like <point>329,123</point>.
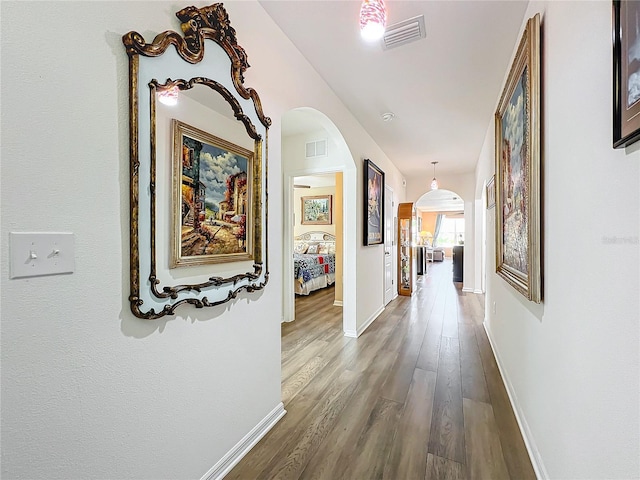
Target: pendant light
<point>373,19</point>
<point>434,182</point>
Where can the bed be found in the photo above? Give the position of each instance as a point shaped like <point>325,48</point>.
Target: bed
<point>314,261</point>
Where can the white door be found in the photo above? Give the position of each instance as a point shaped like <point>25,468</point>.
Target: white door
<point>389,236</point>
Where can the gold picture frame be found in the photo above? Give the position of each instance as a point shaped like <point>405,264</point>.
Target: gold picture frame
<point>316,210</point>
<point>518,164</point>
<point>212,223</point>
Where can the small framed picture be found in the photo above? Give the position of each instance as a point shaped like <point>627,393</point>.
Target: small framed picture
<point>316,210</point>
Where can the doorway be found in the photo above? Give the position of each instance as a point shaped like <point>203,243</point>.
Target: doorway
<point>311,146</point>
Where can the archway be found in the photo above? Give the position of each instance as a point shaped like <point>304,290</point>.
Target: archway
<point>431,208</point>
<point>312,145</point>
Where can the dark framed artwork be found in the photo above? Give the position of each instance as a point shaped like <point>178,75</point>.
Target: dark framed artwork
<point>626,72</point>
<point>212,221</point>
<point>373,202</point>
<point>316,210</point>
<point>517,178</point>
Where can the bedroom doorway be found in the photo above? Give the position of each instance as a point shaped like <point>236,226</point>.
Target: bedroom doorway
<point>317,231</point>
<point>313,147</point>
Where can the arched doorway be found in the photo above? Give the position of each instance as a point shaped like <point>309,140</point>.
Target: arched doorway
<point>312,145</point>
<point>441,222</point>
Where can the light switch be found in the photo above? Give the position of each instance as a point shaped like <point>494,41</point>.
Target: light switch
<point>34,254</point>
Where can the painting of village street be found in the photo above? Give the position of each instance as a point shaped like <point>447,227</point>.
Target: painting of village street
<point>514,164</point>
<point>213,215</point>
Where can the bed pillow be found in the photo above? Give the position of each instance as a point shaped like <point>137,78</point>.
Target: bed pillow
<point>323,249</point>
<point>313,248</point>
<point>332,249</point>
<point>301,248</point>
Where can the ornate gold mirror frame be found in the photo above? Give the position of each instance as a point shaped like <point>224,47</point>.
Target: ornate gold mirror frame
<point>157,286</point>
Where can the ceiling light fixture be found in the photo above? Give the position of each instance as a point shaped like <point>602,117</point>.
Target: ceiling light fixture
<point>373,19</point>
<point>169,96</point>
<point>434,182</point>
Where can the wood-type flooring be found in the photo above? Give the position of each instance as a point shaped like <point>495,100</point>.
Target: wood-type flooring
<point>418,396</point>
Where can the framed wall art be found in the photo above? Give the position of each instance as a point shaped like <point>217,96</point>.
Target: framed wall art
<point>626,72</point>
<point>517,178</point>
<point>373,202</point>
<point>212,201</point>
<point>316,210</point>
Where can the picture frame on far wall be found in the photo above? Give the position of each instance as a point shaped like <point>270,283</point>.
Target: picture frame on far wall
<point>626,72</point>
<point>373,204</point>
<point>317,210</point>
<point>517,178</point>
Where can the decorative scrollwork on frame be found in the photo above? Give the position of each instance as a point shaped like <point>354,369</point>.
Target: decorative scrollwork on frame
<point>198,25</point>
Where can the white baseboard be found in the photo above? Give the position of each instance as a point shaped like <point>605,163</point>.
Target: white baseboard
<point>467,289</point>
<point>337,303</point>
<point>360,331</point>
<point>233,456</point>
<point>532,449</point>
<point>478,291</point>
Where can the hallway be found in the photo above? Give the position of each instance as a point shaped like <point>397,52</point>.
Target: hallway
<point>417,396</point>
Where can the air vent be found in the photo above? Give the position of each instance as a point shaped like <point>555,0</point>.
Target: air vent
<point>404,32</point>
<point>316,149</point>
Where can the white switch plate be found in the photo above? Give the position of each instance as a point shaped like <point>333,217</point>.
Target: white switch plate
<point>34,254</point>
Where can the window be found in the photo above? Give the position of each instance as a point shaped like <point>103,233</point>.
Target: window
<point>451,232</point>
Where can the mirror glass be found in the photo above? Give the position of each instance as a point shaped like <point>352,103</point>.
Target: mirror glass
<point>198,176</point>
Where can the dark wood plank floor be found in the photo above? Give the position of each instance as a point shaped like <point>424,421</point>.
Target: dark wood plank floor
<point>417,396</point>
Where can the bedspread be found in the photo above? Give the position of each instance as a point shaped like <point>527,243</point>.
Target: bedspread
<point>308,266</point>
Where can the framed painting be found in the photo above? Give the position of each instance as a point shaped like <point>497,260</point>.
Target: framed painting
<point>626,72</point>
<point>517,178</point>
<point>373,188</point>
<point>491,192</point>
<point>212,192</point>
<point>316,210</point>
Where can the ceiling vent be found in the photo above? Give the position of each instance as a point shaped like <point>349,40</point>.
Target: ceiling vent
<point>404,32</point>
<point>316,149</point>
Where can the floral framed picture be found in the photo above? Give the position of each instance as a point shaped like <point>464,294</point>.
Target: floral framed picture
<point>212,220</point>
<point>317,210</point>
<point>373,201</point>
<point>517,178</point>
<point>626,72</point>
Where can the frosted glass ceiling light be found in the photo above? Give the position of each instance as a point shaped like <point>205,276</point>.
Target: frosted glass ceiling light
<point>168,96</point>
<point>434,182</point>
<point>373,19</point>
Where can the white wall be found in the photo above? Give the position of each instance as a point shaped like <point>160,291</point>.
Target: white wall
<point>572,363</point>
<point>88,390</point>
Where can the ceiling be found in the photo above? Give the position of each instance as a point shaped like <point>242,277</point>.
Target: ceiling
<point>443,89</point>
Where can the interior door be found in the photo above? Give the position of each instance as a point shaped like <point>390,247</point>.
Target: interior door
<point>389,242</point>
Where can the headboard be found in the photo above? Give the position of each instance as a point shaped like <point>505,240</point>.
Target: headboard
<point>323,241</point>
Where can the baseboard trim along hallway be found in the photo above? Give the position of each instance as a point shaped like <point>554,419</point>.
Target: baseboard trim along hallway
<point>532,449</point>
<point>360,331</point>
<point>233,456</point>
